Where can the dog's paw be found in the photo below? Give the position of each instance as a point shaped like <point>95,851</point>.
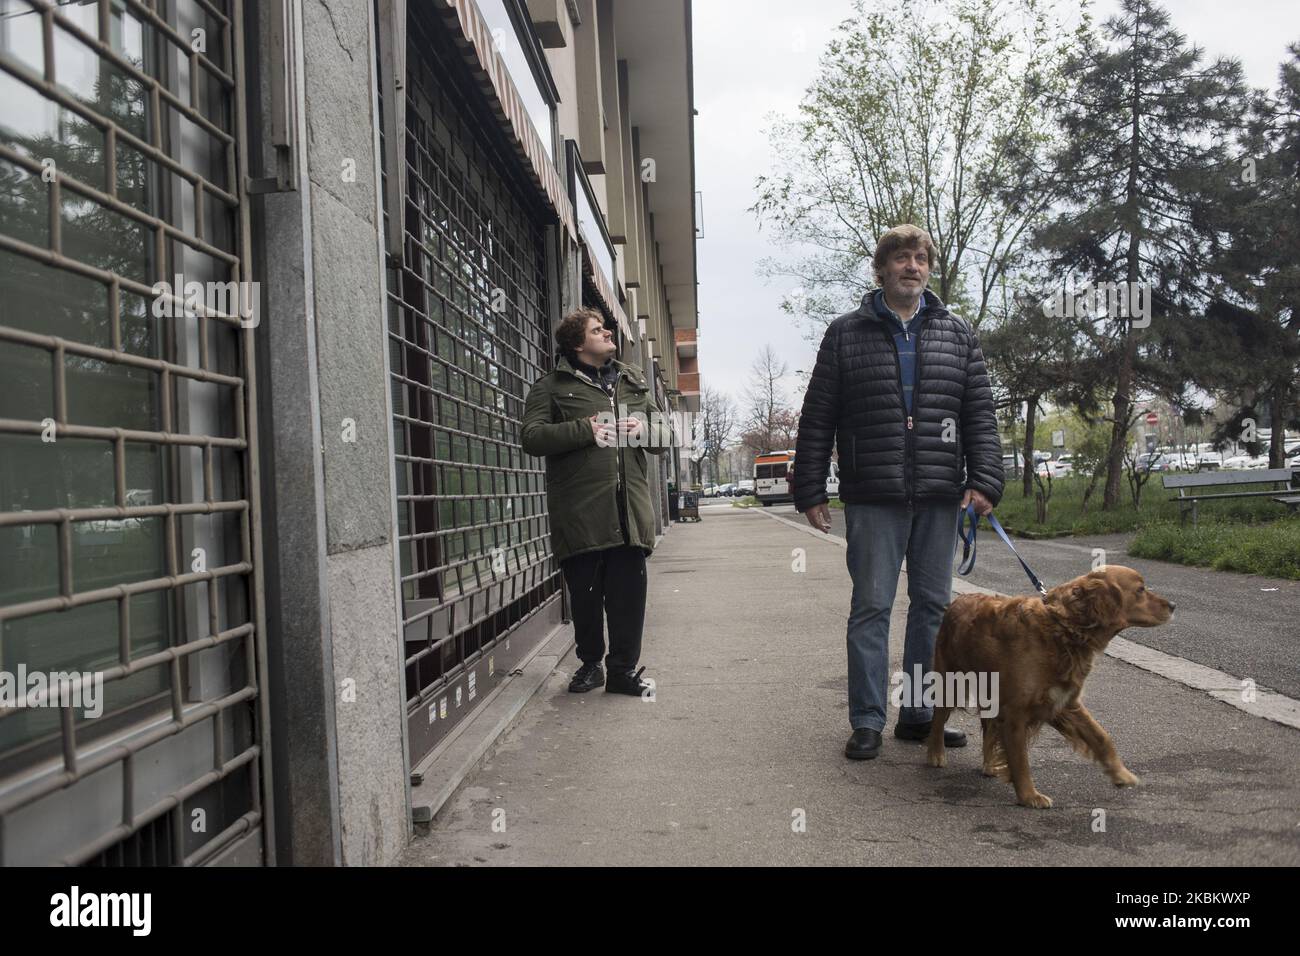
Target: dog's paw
<point>1124,778</point>
<point>1038,801</point>
<point>939,759</point>
<point>999,772</point>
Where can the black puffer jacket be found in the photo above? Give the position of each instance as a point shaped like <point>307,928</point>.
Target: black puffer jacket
<point>855,402</point>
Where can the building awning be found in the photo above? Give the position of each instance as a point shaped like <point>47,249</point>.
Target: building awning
<point>494,79</point>
<point>592,273</point>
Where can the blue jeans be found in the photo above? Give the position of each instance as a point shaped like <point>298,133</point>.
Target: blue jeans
<point>879,536</point>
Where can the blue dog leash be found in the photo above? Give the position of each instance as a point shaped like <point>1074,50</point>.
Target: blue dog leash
<point>968,545</point>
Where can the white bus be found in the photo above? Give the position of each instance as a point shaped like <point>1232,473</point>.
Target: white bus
<point>774,474</point>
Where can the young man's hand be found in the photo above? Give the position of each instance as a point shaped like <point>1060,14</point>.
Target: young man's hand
<point>630,427</point>
<point>819,516</point>
<point>982,505</point>
<point>605,432</point>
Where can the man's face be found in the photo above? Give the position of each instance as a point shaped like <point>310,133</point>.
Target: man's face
<point>598,345</point>
<point>906,273</point>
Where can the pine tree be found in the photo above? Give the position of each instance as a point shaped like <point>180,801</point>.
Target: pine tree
<point>1145,127</point>
<point>1256,233</point>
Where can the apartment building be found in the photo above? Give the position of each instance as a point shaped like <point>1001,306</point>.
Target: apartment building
<point>281,543</point>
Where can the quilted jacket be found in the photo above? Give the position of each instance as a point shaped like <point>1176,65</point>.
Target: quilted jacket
<point>855,402</point>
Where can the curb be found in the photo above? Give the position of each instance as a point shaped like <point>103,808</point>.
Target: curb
<point>1039,535</point>
<point>476,739</point>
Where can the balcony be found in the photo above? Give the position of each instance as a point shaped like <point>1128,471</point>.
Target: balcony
<point>688,383</point>
<point>685,341</point>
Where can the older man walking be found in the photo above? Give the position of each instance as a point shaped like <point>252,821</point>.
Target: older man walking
<point>900,387</point>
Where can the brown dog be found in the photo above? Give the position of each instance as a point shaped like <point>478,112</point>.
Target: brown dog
<point>1042,650</point>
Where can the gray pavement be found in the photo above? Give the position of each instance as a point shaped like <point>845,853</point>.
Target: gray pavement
<point>744,740</point>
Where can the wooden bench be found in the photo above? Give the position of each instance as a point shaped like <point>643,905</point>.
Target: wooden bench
<point>1187,502</point>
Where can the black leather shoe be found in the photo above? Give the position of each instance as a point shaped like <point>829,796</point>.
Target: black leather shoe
<point>588,677</point>
<point>863,745</point>
<point>951,738</point>
<point>626,682</point>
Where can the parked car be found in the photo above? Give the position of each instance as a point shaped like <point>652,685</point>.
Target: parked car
<point>1157,463</point>
<point>1061,467</point>
<point>1179,459</point>
<point>745,486</point>
<point>1246,461</point>
<point>727,490</point>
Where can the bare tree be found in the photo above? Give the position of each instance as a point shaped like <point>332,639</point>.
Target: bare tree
<point>785,428</point>
<point>765,400</point>
<point>717,426</point>
<point>877,142</point>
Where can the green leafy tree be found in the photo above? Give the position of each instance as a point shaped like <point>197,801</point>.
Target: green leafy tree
<point>913,117</point>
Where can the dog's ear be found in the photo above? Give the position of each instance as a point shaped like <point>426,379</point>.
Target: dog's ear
<point>1096,601</point>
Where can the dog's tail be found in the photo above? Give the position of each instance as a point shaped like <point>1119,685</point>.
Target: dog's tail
<point>942,641</point>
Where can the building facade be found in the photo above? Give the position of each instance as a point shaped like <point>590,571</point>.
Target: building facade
<point>275,279</point>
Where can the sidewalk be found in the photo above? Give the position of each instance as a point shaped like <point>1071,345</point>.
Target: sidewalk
<point>746,736</point>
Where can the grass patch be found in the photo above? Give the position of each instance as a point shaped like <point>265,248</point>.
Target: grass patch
<point>1065,512</point>
<point>1249,535</point>
<point>1271,549</point>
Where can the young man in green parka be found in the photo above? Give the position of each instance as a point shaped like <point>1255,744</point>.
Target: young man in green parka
<point>595,421</point>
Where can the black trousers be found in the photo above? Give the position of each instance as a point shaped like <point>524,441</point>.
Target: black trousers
<point>611,584</point>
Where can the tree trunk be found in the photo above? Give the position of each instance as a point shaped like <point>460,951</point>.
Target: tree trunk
<point>1027,479</point>
<point>1277,422</point>
<point>1119,433</point>
<point>1133,219</point>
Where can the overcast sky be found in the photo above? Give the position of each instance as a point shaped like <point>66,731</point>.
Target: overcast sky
<point>753,57</point>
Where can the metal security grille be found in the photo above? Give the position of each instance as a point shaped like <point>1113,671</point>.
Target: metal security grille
<point>469,333</point>
<point>128,489</point>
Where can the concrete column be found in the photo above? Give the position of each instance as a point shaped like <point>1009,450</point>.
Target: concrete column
<point>337,681</point>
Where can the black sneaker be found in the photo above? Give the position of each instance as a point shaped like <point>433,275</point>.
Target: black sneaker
<point>921,731</point>
<point>627,682</point>
<point>588,677</point>
<point>863,745</point>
